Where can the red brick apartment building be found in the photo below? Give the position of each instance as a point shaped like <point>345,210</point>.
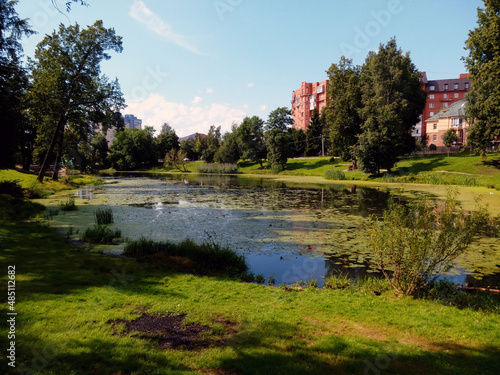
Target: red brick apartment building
<point>305,99</point>
<point>441,94</point>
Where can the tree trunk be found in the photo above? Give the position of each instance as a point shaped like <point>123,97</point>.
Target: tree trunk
<point>46,160</point>
<point>55,174</point>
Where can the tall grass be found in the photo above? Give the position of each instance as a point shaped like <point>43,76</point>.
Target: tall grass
<point>69,205</point>
<point>218,168</point>
<point>335,174</point>
<point>103,216</point>
<point>208,256</point>
<point>101,234</point>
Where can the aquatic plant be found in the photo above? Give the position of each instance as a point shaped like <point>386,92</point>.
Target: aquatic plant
<point>335,174</point>
<point>337,281</point>
<point>215,168</point>
<point>101,234</point>
<point>260,279</point>
<point>103,216</point>
<point>209,256</point>
<point>69,205</point>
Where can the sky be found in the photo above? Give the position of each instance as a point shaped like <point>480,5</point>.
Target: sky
<point>196,63</point>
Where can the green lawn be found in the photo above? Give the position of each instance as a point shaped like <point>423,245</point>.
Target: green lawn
<point>73,307</point>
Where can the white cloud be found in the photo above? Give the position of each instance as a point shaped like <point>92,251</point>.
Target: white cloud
<point>185,119</point>
<point>141,13</point>
<point>196,100</point>
<point>210,91</point>
<point>249,85</point>
<point>263,107</point>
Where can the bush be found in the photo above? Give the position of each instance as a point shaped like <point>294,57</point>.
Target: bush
<point>218,168</point>
<point>335,174</point>
<point>414,244</point>
<point>15,209</point>
<point>69,205</point>
<point>103,216</point>
<point>12,188</point>
<point>208,256</point>
<point>101,234</point>
<point>337,282</point>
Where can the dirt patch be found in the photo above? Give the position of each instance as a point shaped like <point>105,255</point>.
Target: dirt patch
<point>170,332</point>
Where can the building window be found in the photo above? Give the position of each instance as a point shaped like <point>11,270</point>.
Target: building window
<point>445,96</point>
<point>307,91</point>
<point>466,85</point>
<point>456,95</point>
<point>445,105</point>
<point>431,105</point>
<point>434,126</point>
<point>434,137</point>
<point>416,131</point>
<point>456,122</point>
<point>446,86</point>
<point>456,86</point>
<point>460,134</point>
<point>431,113</point>
<point>432,87</point>
<point>431,96</point>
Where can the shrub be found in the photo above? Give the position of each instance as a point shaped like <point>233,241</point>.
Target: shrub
<point>209,256</point>
<point>414,244</point>
<point>101,234</point>
<point>12,188</point>
<point>218,168</point>
<point>335,174</point>
<point>337,282</point>
<point>103,216</point>
<point>260,279</point>
<point>69,205</point>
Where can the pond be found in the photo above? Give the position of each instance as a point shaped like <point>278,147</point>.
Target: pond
<point>290,233</point>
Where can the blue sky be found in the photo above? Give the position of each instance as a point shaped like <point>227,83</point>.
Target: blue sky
<point>194,63</point>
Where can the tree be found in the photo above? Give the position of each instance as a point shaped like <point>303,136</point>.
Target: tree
<point>483,64</point>
<point>277,139</point>
<point>133,149</point>
<point>212,143</point>
<point>68,89</point>
<point>314,134</point>
<point>13,82</point>
<point>99,151</point>
<point>177,159</point>
<point>414,244</point>
<point>251,139</point>
<point>392,102</point>
<point>297,142</point>
<point>228,151</point>
<point>166,140</point>
<point>449,138</point>
<point>343,108</point>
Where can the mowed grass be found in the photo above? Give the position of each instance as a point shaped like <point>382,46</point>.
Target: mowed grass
<point>66,300</point>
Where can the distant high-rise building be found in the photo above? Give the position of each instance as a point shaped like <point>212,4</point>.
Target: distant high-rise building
<point>132,122</point>
<point>305,99</point>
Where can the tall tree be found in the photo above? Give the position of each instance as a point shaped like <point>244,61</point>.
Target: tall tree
<point>212,142</point>
<point>343,108</point>
<point>13,81</point>
<point>166,140</point>
<point>251,139</point>
<point>392,102</point>
<point>68,89</point>
<point>133,148</point>
<point>229,151</point>
<point>483,64</point>
<point>449,138</point>
<point>314,134</point>
<point>277,138</point>
<point>297,144</point>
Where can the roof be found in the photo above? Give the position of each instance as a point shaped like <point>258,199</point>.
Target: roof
<point>457,109</point>
<point>192,137</point>
<point>440,84</point>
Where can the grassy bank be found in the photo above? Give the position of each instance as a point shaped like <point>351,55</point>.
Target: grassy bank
<point>83,313</point>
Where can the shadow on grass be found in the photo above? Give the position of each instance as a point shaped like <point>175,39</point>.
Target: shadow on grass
<point>307,165</point>
<point>495,163</point>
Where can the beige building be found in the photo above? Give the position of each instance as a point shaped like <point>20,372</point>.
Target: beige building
<point>452,117</point>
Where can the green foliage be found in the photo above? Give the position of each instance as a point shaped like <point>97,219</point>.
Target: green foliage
<point>69,205</point>
<point>176,158</point>
<point>68,93</point>
<point>166,140</point>
<point>251,139</point>
<point>212,143</point>
<point>483,100</point>
<point>102,235</point>
<point>335,174</point>
<point>12,188</point>
<point>297,145</point>
<point>260,279</point>
<point>339,281</point>
<point>277,138</point>
<point>218,168</point>
<point>228,151</point>
<point>103,216</point>
<point>133,149</point>
<point>416,243</point>
<point>314,134</point>
<point>209,256</point>
<point>449,138</point>
<point>343,106</point>
<point>392,103</point>
<point>17,209</point>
